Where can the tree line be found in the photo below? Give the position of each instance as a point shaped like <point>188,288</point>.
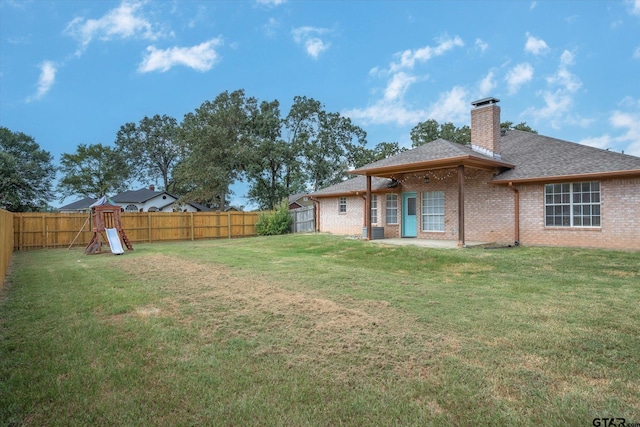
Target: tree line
<point>231,138</point>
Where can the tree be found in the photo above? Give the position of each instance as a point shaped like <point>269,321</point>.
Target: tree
<point>324,141</point>
<point>215,139</point>
<point>430,130</point>
<point>93,171</point>
<point>26,173</point>
<point>520,126</point>
<point>271,159</point>
<point>362,156</point>
<point>151,148</point>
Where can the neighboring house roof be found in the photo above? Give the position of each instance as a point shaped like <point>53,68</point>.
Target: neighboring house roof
<point>138,196</point>
<point>79,205</point>
<point>133,196</point>
<point>200,207</point>
<point>539,157</point>
<point>295,197</point>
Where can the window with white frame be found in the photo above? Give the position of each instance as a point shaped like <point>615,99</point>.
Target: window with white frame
<point>374,209</point>
<point>131,208</point>
<point>433,211</point>
<point>392,209</point>
<point>342,205</point>
<point>572,204</point>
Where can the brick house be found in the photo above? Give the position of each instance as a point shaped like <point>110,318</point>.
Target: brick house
<point>507,187</point>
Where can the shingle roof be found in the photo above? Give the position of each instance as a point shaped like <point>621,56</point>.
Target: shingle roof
<point>78,205</point>
<point>357,183</point>
<point>136,196</point>
<point>537,156</point>
<point>525,156</point>
<point>435,150</point>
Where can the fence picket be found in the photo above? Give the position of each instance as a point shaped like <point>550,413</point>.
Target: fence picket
<point>37,230</point>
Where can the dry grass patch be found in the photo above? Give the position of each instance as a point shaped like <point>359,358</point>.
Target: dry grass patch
<point>306,329</point>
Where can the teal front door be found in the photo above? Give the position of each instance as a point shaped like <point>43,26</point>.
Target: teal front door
<point>409,215</point>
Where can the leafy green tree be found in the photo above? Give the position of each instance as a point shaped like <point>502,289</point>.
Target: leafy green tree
<point>362,156</point>
<point>424,132</point>
<point>270,159</point>
<point>93,171</point>
<point>430,130</point>
<point>26,173</point>
<point>520,126</point>
<point>215,138</point>
<point>324,140</point>
<point>151,148</point>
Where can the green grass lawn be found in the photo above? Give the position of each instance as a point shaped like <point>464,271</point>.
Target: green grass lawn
<point>320,330</point>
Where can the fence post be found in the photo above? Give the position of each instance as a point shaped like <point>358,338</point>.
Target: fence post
<point>149,224</point>
<point>192,228</point>
<point>44,232</point>
<point>229,223</point>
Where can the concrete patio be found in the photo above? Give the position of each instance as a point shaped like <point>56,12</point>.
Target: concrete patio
<point>446,244</point>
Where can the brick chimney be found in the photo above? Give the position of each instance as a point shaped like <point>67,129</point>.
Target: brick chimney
<point>152,187</point>
<point>485,127</point>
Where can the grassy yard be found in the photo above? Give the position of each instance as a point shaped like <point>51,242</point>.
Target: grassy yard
<point>320,330</point>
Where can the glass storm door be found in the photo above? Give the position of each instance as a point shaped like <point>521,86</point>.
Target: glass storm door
<point>409,215</point>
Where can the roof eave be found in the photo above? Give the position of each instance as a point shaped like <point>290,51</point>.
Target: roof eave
<point>565,178</point>
<point>467,160</point>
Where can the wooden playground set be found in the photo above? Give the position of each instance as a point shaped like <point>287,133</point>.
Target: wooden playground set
<point>105,217</point>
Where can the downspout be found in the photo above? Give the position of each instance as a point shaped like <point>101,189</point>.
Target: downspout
<point>516,213</point>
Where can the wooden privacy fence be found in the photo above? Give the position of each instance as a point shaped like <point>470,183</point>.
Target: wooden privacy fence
<point>53,230</point>
<point>6,243</point>
<point>303,219</point>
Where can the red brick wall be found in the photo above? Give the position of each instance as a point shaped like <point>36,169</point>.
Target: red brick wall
<point>620,218</point>
<point>490,213</point>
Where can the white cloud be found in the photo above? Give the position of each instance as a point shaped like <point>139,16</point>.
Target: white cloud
<point>391,108</point>
<point>631,122</point>
<point>626,119</point>
<point>535,45</point>
<point>487,85</point>
<point>533,5</point>
<point>568,81</point>
<point>271,27</point>
<point>201,57</point>
<point>450,107</point>
<point>398,85</point>
<point>309,37</point>
<point>517,76</point>
<point>383,112</point>
<point>271,2</point>
<point>125,21</point>
<point>482,45</point>
<point>559,95</point>
<point>46,80</point>
<point>408,58</point>
<point>636,53</point>
<point>604,141</point>
<point>634,7</point>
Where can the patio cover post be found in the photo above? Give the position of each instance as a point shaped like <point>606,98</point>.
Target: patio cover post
<point>367,208</point>
<point>461,243</point>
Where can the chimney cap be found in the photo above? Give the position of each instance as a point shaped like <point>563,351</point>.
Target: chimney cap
<point>485,101</point>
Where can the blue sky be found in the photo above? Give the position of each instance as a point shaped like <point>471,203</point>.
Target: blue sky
<point>73,72</point>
